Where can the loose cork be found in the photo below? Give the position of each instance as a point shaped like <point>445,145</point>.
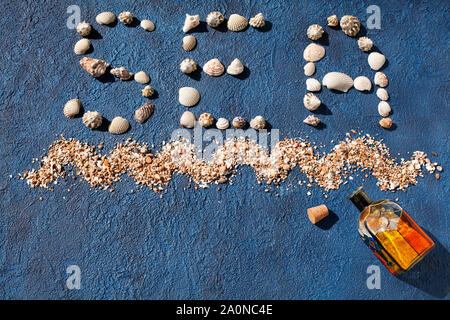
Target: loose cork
<point>315,214</point>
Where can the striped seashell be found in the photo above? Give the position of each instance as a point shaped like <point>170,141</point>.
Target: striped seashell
<point>84,28</point>
<point>82,46</point>
<point>312,121</point>
<point>235,68</point>
<point>105,18</point>
<point>313,85</point>
<point>258,21</point>
<point>126,17</point>
<point>314,32</point>
<point>309,69</point>
<point>189,43</point>
<point>362,83</point>
<point>239,122</point>
<point>384,109</point>
<point>337,81</point>
<point>350,25</point>
<point>95,67</point>
<point>214,19</point>
<point>382,94</point>
<point>121,73</point>
<point>191,22</point>
<point>237,22</point>
<point>258,123</point>
<point>214,68</point>
<point>187,120</point>
<point>72,108</point>
<point>206,120</point>
<point>376,60</point>
<point>333,21</point>
<point>365,44</point>
<point>188,96</point>
<point>380,79</point>
<point>144,112</point>
<point>313,52</point>
<point>92,119</point>
<point>118,125</point>
<point>188,66</point>
<point>222,124</point>
<point>311,101</point>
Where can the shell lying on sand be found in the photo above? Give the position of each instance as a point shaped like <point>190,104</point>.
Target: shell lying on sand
<point>386,123</point>
<point>237,22</point>
<point>313,85</point>
<point>376,60</point>
<point>188,96</point>
<point>214,68</point>
<point>148,91</point>
<point>311,101</point>
<point>72,108</point>
<point>141,77</point>
<point>384,109</point>
<point>188,66</point>
<point>189,43</point>
<point>362,83</point>
<point>333,21</point>
<point>206,120</point>
<point>337,81</point>
<point>144,112</point>
<point>191,22</point>
<point>118,125</point>
<point>313,52</point>
<point>187,120</point>
<point>222,123</point>
<point>314,32</point>
<point>239,122</point>
<point>95,67</point>
<point>312,121</point>
<point>258,21</point>
<point>121,73</point>
<point>309,69</point>
<point>105,18</point>
<point>350,25</point>
<point>82,46</point>
<point>365,44</point>
<point>126,17</point>
<point>258,123</point>
<point>84,28</point>
<point>92,119</point>
<point>380,79</point>
<point>214,19</point>
<point>382,94</point>
<point>235,68</point>
<point>147,25</point>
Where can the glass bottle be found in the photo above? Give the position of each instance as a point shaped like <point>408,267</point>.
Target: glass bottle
<point>390,232</point>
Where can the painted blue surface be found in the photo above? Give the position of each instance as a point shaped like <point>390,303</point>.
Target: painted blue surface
<point>239,242</point>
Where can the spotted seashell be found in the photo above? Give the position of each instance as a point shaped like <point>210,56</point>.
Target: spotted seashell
<point>386,123</point>
<point>258,123</point>
<point>105,18</point>
<point>314,32</point>
<point>126,17</point>
<point>214,19</point>
<point>311,101</point>
<point>206,120</point>
<point>92,119</point>
<point>309,69</point>
<point>214,68</point>
<point>239,122</point>
<point>313,52</point>
<point>187,120</point>
<point>189,43</point>
<point>72,108</point>
<point>365,44</point>
<point>312,121</point>
<point>188,66</point>
<point>84,28</point>
<point>382,94</point>
<point>257,21</point>
<point>313,85</point>
<point>384,108</point>
<point>95,67</point>
<point>237,22</point>
<point>147,25</point>
<point>121,73</point>
<point>144,112</point>
<point>141,77</point>
<point>191,22</point>
<point>350,25</point>
<point>222,124</point>
<point>148,91</point>
<point>188,96</point>
<point>376,60</point>
<point>82,46</point>
<point>118,125</point>
<point>337,81</point>
<point>235,68</point>
<point>380,79</point>
<point>362,83</point>
<point>333,21</point>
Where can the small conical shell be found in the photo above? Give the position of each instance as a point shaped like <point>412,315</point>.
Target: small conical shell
<point>312,121</point>
<point>214,19</point>
<point>222,124</point>
<point>380,79</point>
<point>95,67</point>
<point>235,68</point>
<point>313,52</point>
<point>313,85</point>
<point>311,101</point>
<point>191,22</point>
<point>92,119</point>
<point>82,46</point>
<point>239,122</point>
<point>189,43</point>
<point>314,32</point>
<point>118,125</point>
<point>126,17</point>
<point>84,28</point>
<point>333,21</point>
<point>384,109</point>
<point>350,25</point>
<point>258,21</point>
<point>188,66</point>
<point>362,83</point>
<point>105,18</point>
<point>187,120</point>
<point>188,96</point>
<point>121,73</point>
<point>337,81</point>
<point>309,69</point>
<point>214,68</point>
<point>258,123</point>
<point>365,44</point>
<point>72,108</point>
<point>237,22</point>
<point>144,112</point>
<point>206,120</point>
<point>376,60</point>
<point>382,94</point>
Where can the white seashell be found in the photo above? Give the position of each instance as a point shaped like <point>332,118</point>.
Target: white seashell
<point>237,22</point>
<point>148,91</point>
<point>206,120</point>
<point>92,119</point>
<point>380,79</point>
<point>313,85</point>
<point>312,121</point>
<point>214,19</point>
<point>309,69</point>
<point>376,60</point>
<point>189,43</point>
<point>350,25</point>
<point>382,94</point>
<point>188,66</point>
<point>258,123</point>
<point>144,112</point>
<point>333,21</point>
<point>235,68</point>
<point>313,52</point>
<point>188,96</point>
<point>222,124</point>
<point>362,83</point>
<point>105,18</point>
<point>147,25</point>
<point>82,46</point>
<point>126,17</point>
<point>214,68</point>
<point>384,109</point>
<point>95,67</point>
<point>337,81</point>
<point>311,101</point>
<point>187,120</point>
<point>118,125</point>
<point>84,29</point>
<point>258,21</point>
<point>141,77</point>
<point>386,123</point>
<point>72,108</point>
<point>314,32</point>
<point>191,22</point>
<point>121,73</point>
<point>365,44</point>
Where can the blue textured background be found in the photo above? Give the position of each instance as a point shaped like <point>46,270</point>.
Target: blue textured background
<point>239,242</point>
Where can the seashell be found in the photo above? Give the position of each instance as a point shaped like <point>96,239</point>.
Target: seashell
<point>82,46</point>
<point>313,52</point>
<point>386,123</point>
<point>309,69</point>
<point>239,122</point>
<point>188,66</point>
<point>362,83</point>
<point>314,32</point>
<point>237,22</point>
<point>222,124</point>
<point>365,44</point>
<point>147,25</point>
<point>105,18</point>
<point>121,73</point>
<point>382,94</point>
<point>313,85</point>
<point>258,123</point>
<point>118,125</point>
<point>384,109</point>
<point>191,22</point>
<point>188,96</point>
<point>258,21</point>
<point>95,67</point>
<point>381,79</point>
<point>337,81</point>
<point>214,68</point>
<point>187,120</point>
<point>333,21</point>
<point>144,112</point>
<point>214,19</point>
<point>92,119</point>
<point>189,43</point>
<point>312,121</point>
<point>126,17</point>
<point>376,60</point>
<point>72,108</point>
<point>148,91</point>
<point>206,120</point>
<point>235,68</point>
<point>141,77</point>
<point>84,28</point>
<point>311,101</point>
<point>350,25</point>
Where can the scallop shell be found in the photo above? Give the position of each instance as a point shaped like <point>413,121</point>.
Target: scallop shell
<point>144,112</point>
<point>206,120</point>
<point>384,109</point>
<point>188,66</point>
<point>126,17</point>
<point>313,52</point>
<point>84,28</point>
<point>314,32</point>
<point>313,85</point>
<point>376,60</point>
<point>382,94</point>
<point>148,91</point>
<point>141,77</point>
<point>380,79</point>
<point>258,21</point>
<point>187,120</point>
<point>95,67</point>
<point>312,121</point>
<point>365,44</point>
<point>118,125</point>
<point>333,21</point>
<point>235,68</point>
<point>237,22</point>
<point>386,123</point>
<point>350,25</point>
<point>105,18</point>
<point>239,122</point>
<point>337,81</point>
<point>311,101</point>
<point>82,46</point>
<point>362,83</point>
<point>189,43</point>
<point>258,123</point>
<point>309,69</point>
<point>191,22</point>
<point>214,68</point>
<point>92,119</point>
<point>147,25</point>
<point>214,19</point>
<point>72,108</point>
<point>222,124</point>
<point>121,73</point>
<point>188,96</point>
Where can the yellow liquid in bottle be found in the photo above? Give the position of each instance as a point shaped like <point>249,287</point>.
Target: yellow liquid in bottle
<point>398,247</point>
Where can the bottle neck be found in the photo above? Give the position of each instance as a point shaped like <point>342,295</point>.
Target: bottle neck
<point>360,199</point>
